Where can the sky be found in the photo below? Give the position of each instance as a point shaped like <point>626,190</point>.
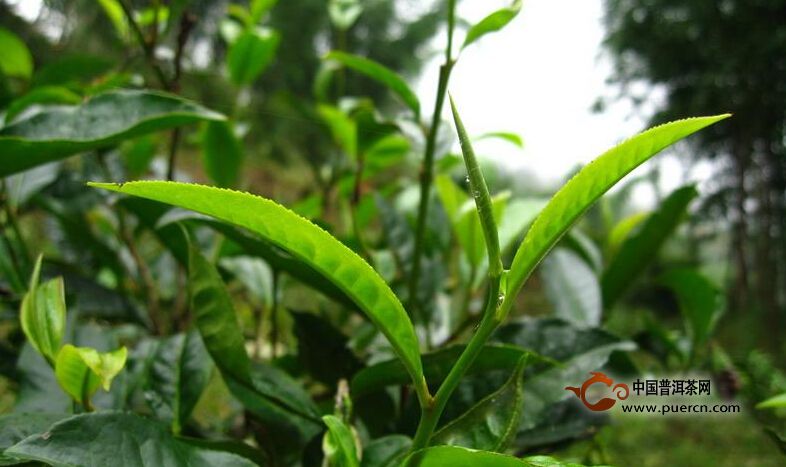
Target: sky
<point>539,77</point>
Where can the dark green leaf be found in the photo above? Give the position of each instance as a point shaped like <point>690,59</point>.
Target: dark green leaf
<point>572,287</point>
<point>103,120</point>
<point>179,372</point>
<point>112,438</point>
<point>42,95</point>
<point>492,422</point>
<point>381,74</point>
<point>639,249</point>
<point>385,451</point>
<point>17,426</point>
<point>222,154</point>
<point>322,349</point>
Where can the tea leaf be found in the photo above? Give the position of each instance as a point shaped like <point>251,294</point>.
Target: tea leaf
<point>774,402</point>
<point>493,22</point>
<point>385,451</point>
<point>576,196</point>
<point>492,422</point>
<point>115,438</point>
<point>439,456</point>
<point>639,249</point>
<point>510,137</point>
<point>306,242</point>
<point>572,287</point>
<point>82,370</point>
<point>251,53</point>
<point>339,443</point>
<point>42,314</point>
<point>379,73</point>
<point>179,371</point>
<point>15,427</point>
<point>103,120</point>
<point>16,60</point>
<point>41,95</point>
<point>698,298</point>
<point>222,154</point>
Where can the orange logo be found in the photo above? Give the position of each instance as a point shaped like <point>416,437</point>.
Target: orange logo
<point>620,390</point>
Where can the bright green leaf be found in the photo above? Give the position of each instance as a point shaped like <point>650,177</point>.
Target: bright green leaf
<point>492,422</point>
<point>82,370</point>
<point>251,53</point>
<point>379,73</point>
<point>344,13</point>
<point>258,8</point>
<point>342,127</point>
<point>576,196</point>
<point>101,121</point>
<point>339,444</point>
<point>222,154</point>
<point>42,314</point>
<point>16,59</point>
<point>774,402</point>
<point>303,240</point>
<point>510,137</point>
<point>493,22</point>
<point>115,438</point>
<point>454,456</point>
<point>114,11</point>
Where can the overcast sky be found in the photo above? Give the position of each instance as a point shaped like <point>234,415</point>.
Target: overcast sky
<point>539,77</point>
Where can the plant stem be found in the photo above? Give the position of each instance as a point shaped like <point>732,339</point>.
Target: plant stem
<point>427,169</point>
<point>148,47</point>
<point>430,414</point>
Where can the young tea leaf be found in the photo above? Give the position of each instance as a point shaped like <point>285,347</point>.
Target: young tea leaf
<point>339,443</point>
<point>493,22</point>
<point>16,59</point>
<point>576,196</point>
<point>774,402</point>
<point>572,287</point>
<point>251,53</point>
<point>379,73</point>
<point>222,154</point>
<point>306,242</point>
<point>42,314</point>
<point>103,120</point>
<point>698,298</point>
<point>82,370</point>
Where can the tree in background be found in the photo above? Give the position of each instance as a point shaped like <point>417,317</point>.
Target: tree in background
<point>714,56</point>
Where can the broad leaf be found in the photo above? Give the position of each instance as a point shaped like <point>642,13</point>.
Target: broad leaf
<point>306,242</point>
<point>179,371</point>
<point>82,370</point>
<point>640,248</point>
<point>492,422</point>
<point>381,74</point>
<point>43,314</point>
<point>322,349</point>
<point>251,53</point>
<point>17,426</point>
<point>572,287</point>
<point>103,120</point>
<point>222,154</point>
<point>16,60</point>
<point>41,95</point>
<point>114,438</point>
<point>339,444</point>
<point>576,196</point>
<point>579,351</point>
<point>265,391</point>
<point>385,451</point>
<point>698,299</point>
<point>493,22</point>
<point>436,366</point>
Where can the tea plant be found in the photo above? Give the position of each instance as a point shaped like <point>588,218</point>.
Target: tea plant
<point>469,386</point>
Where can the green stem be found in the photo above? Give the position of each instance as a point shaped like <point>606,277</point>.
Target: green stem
<point>430,414</point>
